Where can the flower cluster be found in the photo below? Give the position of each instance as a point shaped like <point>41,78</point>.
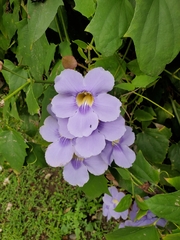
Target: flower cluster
<point>110,203</point>
<point>85,127</point>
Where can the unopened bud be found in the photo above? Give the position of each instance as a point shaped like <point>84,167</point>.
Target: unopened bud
<point>69,62</point>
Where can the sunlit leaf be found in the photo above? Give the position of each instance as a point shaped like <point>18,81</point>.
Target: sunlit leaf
<point>166,206</point>
<point>110,22</point>
<point>155,27</point>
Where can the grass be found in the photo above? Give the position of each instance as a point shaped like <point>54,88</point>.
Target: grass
<point>38,204</point>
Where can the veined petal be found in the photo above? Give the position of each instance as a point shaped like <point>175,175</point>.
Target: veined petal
<point>95,165</point>
<point>83,123</point>
<point>59,153</point>
<point>106,107</point>
<point>49,131</point>
<point>62,124</point>
<point>98,81</point>
<point>128,138</point>
<point>76,175</point>
<point>64,106</point>
<point>69,82</point>
<point>91,145</point>
<point>106,153</point>
<point>123,156</point>
<point>112,130</point>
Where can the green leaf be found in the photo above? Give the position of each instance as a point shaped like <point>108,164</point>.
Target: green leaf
<point>173,236</point>
<point>31,101</point>
<point>143,81</point>
<point>142,115</point>
<point>124,204</point>
<point>153,145</point>
<point>30,124</point>
<point>85,7</point>
<point>36,156</point>
<point>34,56</point>
<point>13,80</point>
<point>40,17</point>
<point>80,44</point>
<point>114,64</point>
<point>174,153</point>
<point>125,86</point>
<point>141,203</point>
<point>166,206</point>
<point>13,148</point>
<point>124,173</point>
<point>143,170</point>
<point>96,186</point>
<point>155,27</point>
<point>138,233</point>
<point>110,22</point>
<point>133,66</point>
<point>175,182</point>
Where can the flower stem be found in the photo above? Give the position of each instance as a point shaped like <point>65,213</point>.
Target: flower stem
<point>153,103</point>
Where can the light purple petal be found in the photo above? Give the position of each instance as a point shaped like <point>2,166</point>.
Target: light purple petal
<point>107,199</point>
<point>63,128</point>
<point>114,192</point>
<point>95,165</point>
<point>69,82</point>
<point>59,153</point>
<point>106,107</point>
<point>83,124</point>
<point>49,106</point>
<point>113,130</point>
<point>49,131</point>
<point>64,106</point>
<point>128,138</point>
<point>98,81</point>
<point>123,156</point>
<point>76,174</point>
<point>106,153</point>
<point>91,145</point>
<point>124,214</point>
<point>161,222</point>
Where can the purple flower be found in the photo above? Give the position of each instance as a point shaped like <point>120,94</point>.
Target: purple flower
<point>148,219</point>
<point>110,203</point>
<point>95,143</point>
<point>119,150</point>
<point>84,100</point>
<point>76,172</point>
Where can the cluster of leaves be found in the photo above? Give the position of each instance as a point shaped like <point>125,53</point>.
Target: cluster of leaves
<point>138,42</point>
<point>52,210</point>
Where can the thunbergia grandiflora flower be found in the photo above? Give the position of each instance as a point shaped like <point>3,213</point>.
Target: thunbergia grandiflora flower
<point>84,119</point>
<point>110,203</point>
<point>147,219</point>
<point>84,100</point>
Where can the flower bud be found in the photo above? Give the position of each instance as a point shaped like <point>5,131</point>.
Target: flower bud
<point>69,62</point>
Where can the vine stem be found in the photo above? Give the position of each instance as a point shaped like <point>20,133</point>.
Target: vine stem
<point>17,90</point>
<point>153,103</point>
<point>172,74</point>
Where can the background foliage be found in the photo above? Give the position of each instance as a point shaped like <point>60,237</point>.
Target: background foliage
<point>138,42</point>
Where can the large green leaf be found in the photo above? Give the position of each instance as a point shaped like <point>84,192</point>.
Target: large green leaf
<point>85,7</point>
<point>13,148</point>
<point>143,170</point>
<point>174,154</point>
<point>175,182</point>
<point>110,22</point>
<point>138,233</point>
<point>153,145</point>
<point>40,17</point>
<point>34,56</point>
<point>166,206</point>
<point>155,32</point>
